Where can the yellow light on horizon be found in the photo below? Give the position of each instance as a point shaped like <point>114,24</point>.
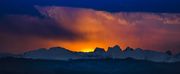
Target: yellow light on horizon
<point>87,50</point>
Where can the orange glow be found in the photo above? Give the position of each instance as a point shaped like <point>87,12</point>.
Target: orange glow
<point>87,50</point>
<point>103,29</point>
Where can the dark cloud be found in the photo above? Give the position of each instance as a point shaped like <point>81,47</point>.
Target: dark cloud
<point>34,26</point>
<point>27,6</point>
<point>153,31</point>
<point>82,29</point>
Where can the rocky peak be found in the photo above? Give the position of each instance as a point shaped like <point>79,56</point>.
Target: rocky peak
<point>99,50</point>
<point>169,52</point>
<point>114,49</point>
<point>129,49</point>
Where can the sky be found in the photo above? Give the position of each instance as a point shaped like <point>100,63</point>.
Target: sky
<point>83,25</point>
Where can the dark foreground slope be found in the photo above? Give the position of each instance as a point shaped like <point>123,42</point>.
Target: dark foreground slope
<point>105,66</point>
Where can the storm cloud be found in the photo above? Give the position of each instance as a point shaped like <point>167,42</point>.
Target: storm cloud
<point>155,31</point>
<point>35,26</point>
<point>81,29</point>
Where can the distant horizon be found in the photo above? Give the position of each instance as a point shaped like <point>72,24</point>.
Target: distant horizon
<point>123,50</point>
<point>113,36</point>
<point>78,26</point>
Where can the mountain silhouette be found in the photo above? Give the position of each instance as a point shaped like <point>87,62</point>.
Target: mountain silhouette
<point>59,53</point>
<point>55,53</point>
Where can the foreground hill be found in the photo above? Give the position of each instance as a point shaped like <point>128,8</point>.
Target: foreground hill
<point>98,66</point>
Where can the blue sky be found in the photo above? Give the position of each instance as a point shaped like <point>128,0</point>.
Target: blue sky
<point>27,6</point>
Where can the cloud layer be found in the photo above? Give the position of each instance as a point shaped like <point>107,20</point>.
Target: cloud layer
<point>34,26</point>
<point>84,29</point>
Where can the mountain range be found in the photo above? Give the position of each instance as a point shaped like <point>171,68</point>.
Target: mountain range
<point>59,53</point>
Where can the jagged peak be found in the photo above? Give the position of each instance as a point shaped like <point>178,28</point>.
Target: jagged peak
<point>129,49</point>
<point>168,52</point>
<point>115,48</point>
<point>97,49</point>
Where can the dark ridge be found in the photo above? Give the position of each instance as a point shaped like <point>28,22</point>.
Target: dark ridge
<point>95,66</point>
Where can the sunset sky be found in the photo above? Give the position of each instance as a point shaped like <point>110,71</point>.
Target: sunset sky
<point>79,26</point>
